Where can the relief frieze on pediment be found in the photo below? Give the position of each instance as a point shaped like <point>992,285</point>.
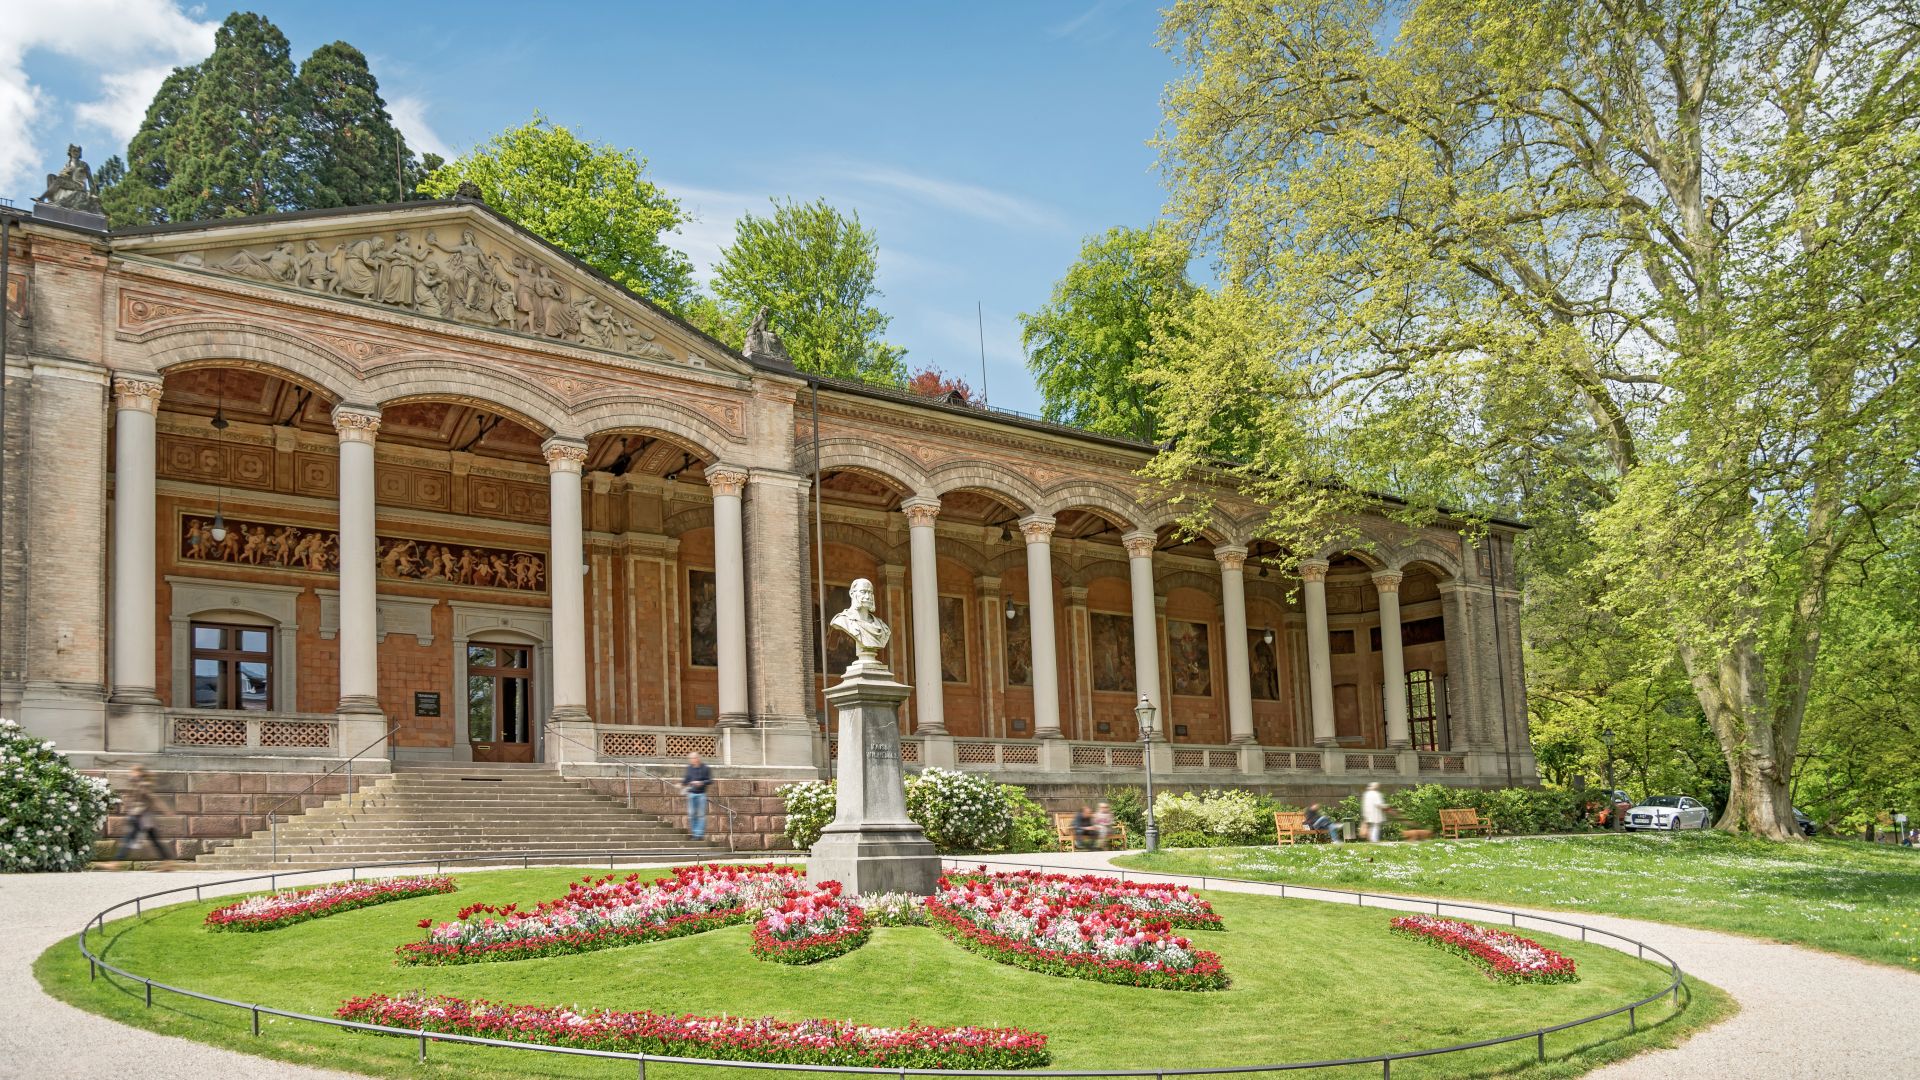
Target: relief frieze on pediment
<point>451,272</point>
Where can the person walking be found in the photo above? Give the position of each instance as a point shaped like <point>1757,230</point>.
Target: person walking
<point>1103,823</point>
<point>1373,811</point>
<point>141,804</point>
<point>693,784</point>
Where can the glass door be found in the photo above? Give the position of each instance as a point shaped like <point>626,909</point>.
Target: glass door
<point>500,702</point>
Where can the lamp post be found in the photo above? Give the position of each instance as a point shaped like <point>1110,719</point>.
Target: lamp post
<point>1143,713</point>
<point>1613,800</point>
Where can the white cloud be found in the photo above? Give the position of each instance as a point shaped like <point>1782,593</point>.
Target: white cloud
<point>713,211</point>
<point>410,116</point>
<point>121,43</point>
<point>972,200</point>
<point>1082,21</point>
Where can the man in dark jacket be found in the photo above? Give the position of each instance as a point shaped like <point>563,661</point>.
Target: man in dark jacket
<point>693,784</point>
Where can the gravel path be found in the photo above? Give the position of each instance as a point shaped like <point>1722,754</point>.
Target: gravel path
<point>1802,1013</point>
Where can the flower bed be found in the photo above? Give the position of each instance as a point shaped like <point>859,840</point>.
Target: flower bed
<point>810,926</point>
<point>604,913</point>
<point>285,908</point>
<point>1506,957</point>
<point>810,1042</point>
<point>1176,904</point>
<point>1087,928</point>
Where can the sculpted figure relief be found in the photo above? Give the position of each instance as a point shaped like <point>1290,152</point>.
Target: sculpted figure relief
<point>462,281</point>
<point>858,622</point>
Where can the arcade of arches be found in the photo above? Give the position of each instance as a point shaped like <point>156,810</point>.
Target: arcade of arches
<point>268,507</point>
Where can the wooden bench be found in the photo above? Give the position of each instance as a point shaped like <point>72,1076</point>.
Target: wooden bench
<point>1458,822</point>
<point>1290,826</point>
<point>1063,833</point>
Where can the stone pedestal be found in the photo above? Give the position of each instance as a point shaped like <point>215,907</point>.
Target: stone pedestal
<point>871,846</point>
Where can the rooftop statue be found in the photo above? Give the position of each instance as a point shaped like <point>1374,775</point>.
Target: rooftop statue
<point>762,343</point>
<point>72,187</point>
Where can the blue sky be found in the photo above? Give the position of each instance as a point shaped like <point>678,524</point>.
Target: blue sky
<point>981,141</point>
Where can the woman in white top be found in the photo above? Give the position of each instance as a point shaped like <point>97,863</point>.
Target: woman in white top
<point>1373,811</point>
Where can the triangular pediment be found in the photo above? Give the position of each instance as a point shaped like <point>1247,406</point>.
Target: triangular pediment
<point>452,260</point>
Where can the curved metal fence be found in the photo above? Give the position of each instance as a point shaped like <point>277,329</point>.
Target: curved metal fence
<point>1676,980</point>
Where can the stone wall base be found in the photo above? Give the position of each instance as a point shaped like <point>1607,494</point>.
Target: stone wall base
<point>204,810</point>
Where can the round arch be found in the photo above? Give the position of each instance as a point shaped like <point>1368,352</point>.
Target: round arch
<point>862,540</point>
<point>1208,584</point>
<point>260,348</point>
<point>988,478</point>
<point>882,463</point>
<point>967,555</point>
<point>696,431</point>
<point>1095,497</point>
<point>1430,555</point>
<point>1098,568</point>
<point>437,380</point>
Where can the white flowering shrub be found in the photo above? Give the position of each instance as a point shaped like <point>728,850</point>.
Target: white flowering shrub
<point>959,811</point>
<point>809,809</point>
<point>1221,816</point>
<point>49,814</point>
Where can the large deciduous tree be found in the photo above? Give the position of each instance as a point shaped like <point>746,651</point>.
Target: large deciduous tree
<point>589,199</point>
<point>1087,347</point>
<point>1649,261</point>
<point>812,268</point>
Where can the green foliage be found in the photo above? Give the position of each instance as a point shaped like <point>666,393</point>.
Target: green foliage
<point>1129,806</point>
<point>49,814</point>
<point>1234,816</point>
<point>350,154</point>
<point>1513,811</point>
<point>1032,827</point>
<point>588,199</point>
<point>1636,274</point>
<point>242,133</point>
<point>812,268</point>
<point>1088,346</point>
<point>960,812</point>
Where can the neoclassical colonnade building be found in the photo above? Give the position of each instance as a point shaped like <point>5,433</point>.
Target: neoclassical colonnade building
<point>277,485</point>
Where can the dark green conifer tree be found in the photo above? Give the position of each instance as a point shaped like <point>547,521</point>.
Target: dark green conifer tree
<point>242,128</point>
<point>350,152</point>
<point>139,196</point>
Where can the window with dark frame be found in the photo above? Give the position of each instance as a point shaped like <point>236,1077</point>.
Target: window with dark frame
<point>232,667</point>
<point>499,693</point>
<point>1422,718</point>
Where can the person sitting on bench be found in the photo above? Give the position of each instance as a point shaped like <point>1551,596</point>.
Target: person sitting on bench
<point>1318,821</point>
<point>1085,835</point>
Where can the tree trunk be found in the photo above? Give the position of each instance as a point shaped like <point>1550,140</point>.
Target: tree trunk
<point>1732,692</point>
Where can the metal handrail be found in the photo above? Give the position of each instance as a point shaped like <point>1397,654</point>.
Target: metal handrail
<point>273,819</point>
<point>1676,982</point>
<point>629,766</point>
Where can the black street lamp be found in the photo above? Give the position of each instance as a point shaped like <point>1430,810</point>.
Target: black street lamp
<point>1613,799</point>
<point>1143,713</point>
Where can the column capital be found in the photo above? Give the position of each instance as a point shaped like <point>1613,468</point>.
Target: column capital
<point>356,423</point>
<point>1037,528</point>
<point>136,393</point>
<point>1388,580</point>
<point>727,480</point>
<point>564,454</point>
<point>1231,557</point>
<point>1140,543</point>
<point>1313,570</point>
<point>921,510</point>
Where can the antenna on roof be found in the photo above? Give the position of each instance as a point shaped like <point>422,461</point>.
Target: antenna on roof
<point>980,320</point>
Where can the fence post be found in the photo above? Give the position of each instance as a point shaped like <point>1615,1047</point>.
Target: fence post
<point>256,1020</point>
<point>423,1044</point>
<point>92,970</point>
<point>643,1067</point>
<point>1633,1022</point>
<point>1540,1045</point>
<point>149,983</point>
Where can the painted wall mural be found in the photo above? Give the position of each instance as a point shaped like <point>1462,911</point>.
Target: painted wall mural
<point>1265,667</point>
<point>953,639</point>
<point>1188,657</point>
<point>402,558</point>
<point>1111,642</point>
<point>1019,647</point>
<point>703,619</point>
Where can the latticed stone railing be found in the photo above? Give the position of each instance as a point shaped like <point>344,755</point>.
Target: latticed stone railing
<point>623,742</point>
<point>294,734</point>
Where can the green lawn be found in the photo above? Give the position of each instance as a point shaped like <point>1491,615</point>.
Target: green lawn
<point>1858,899</point>
<point>1311,981</point>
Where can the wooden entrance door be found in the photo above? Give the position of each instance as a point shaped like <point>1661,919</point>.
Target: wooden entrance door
<point>500,702</point>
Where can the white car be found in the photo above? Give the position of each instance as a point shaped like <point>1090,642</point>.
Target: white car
<point>1668,812</point>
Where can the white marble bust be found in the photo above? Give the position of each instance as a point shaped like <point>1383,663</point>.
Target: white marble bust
<point>858,622</point>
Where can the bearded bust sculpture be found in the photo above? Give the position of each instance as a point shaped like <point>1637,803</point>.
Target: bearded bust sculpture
<point>858,622</point>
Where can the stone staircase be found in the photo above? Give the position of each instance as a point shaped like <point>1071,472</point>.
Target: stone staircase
<point>429,812</point>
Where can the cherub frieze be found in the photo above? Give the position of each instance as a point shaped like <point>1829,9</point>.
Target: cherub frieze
<point>459,280</point>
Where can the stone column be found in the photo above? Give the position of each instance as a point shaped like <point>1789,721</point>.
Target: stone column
<point>1393,664</point>
<point>358,637</point>
<point>730,591</point>
<point>1046,657</point>
<point>1233,601</point>
<point>1313,576</point>
<point>1146,632</point>
<point>929,706</point>
<point>135,401</point>
<point>567,593</point>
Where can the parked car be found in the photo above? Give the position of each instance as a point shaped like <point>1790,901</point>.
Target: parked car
<point>1807,827</point>
<point>1608,804</point>
<point>1668,812</point>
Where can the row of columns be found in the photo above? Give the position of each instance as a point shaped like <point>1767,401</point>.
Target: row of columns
<point>136,403</point>
<point>922,511</point>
